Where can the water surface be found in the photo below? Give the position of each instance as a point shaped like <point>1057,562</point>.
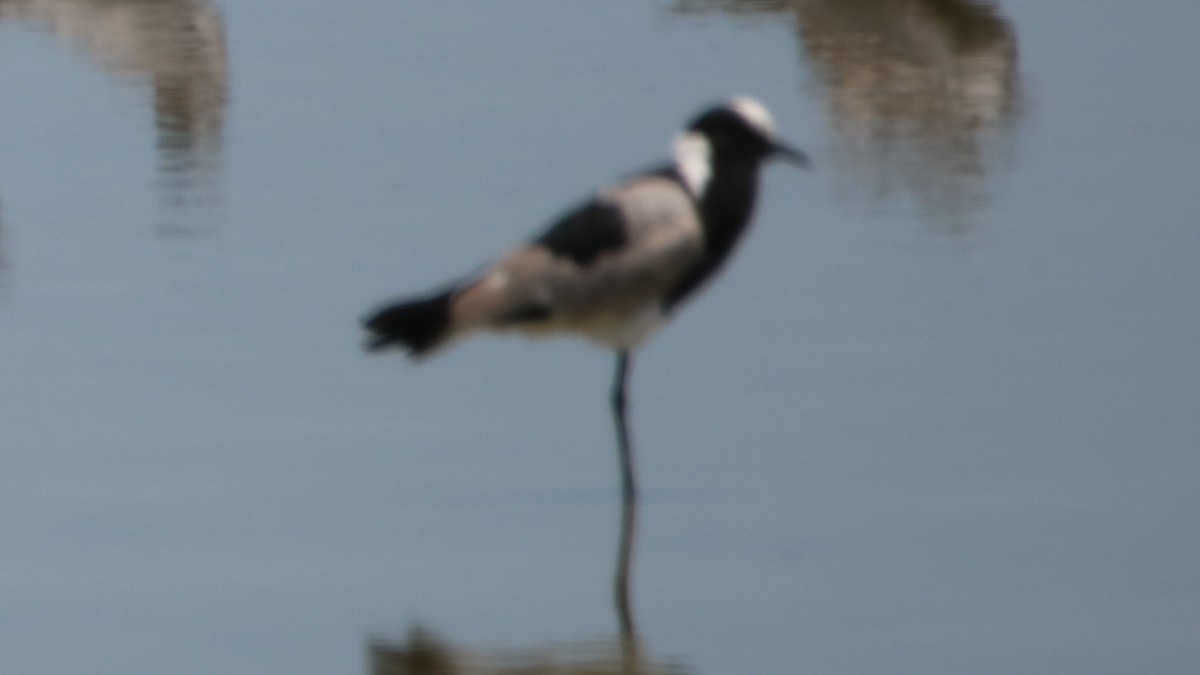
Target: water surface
<point>939,416</point>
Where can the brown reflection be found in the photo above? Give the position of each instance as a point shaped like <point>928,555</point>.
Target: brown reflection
<point>422,653</point>
<point>921,94</point>
<point>176,48</point>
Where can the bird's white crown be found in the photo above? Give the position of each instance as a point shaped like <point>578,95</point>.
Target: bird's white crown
<point>755,114</point>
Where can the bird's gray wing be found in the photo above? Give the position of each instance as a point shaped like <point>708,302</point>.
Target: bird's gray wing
<point>614,255</point>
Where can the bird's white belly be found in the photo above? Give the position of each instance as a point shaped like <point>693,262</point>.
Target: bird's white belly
<point>629,331</point>
<point>621,330</point>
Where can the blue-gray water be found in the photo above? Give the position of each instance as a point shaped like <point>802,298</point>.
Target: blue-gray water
<point>940,416</point>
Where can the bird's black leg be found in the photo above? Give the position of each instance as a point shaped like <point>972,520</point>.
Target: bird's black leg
<point>628,510</point>
<point>628,483</point>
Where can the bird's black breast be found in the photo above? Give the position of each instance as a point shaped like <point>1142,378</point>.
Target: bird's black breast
<point>725,211</point>
<point>585,233</point>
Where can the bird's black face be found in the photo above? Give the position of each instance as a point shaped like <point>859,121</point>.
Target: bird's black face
<point>730,134</point>
<point>743,128</point>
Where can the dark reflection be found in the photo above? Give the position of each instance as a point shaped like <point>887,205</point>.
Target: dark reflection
<point>921,94</point>
<point>423,653</point>
<point>622,593</point>
<point>175,48</point>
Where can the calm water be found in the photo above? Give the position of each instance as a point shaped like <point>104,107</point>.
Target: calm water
<point>941,415</point>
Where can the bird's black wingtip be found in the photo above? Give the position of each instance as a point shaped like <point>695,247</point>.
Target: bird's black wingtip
<point>415,326</point>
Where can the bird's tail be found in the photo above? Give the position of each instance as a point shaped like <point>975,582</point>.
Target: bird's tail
<point>415,325</point>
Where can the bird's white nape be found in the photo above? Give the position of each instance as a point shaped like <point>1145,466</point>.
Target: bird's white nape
<point>693,161</point>
<point>755,114</point>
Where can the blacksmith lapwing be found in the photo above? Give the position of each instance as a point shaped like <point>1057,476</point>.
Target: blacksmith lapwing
<point>616,267</point>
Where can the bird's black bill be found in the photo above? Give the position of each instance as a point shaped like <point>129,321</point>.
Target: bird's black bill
<point>790,154</point>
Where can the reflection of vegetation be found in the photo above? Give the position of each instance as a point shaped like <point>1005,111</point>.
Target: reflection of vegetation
<point>176,48</point>
<point>421,654</point>
<point>912,67</point>
<point>731,6</point>
<point>970,23</point>
<point>918,91</point>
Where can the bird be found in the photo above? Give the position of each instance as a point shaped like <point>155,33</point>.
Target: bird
<point>615,267</point>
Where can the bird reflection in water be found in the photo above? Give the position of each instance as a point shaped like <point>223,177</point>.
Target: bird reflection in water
<point>922,97</point>
<point>176,50</point>
<point>422,653</point>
